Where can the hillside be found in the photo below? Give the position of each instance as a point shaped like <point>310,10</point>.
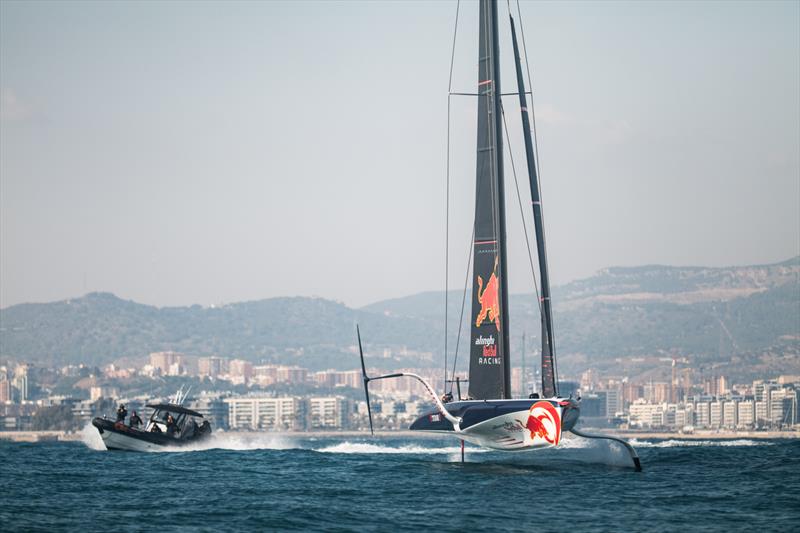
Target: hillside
<point>742,316</point>
<point>99,328</point>
<point>714,315</point>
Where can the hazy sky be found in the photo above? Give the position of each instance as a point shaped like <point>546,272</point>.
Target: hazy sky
<point>179,153</point>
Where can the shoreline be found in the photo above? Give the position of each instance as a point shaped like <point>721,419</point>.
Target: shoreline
<point>64,436</point>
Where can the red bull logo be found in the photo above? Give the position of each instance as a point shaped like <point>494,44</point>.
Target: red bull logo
<point>544,422</point>
<point>489,300</point>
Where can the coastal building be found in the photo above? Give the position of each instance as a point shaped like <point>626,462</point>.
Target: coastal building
<point>646,415</point>
<point>729,413</point>
<point>168,363</point>
<point>594,405</point>
<point>211,367</point>
<point>240,371</point>
<point>615,405</point>
<point>292,374</point>
<point>5,386</point>
<point>656,392</point>
<point>783,407</point>
<point>762,413</point>
<point>746,414</point>
<point>19,386</point>
<point>95,393</point>
<point>329,412</point>
<point>702,412</point>
<point>213,409</point>
<point>266,375</point>
<point>684,416</point>
<point>715,414</point>
<point>277,414</point>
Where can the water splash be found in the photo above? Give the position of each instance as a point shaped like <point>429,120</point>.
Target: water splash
<point>675,443</point>
<point>217,441</point>
<point>91,438</point>
<point>367,448</point>
<point>239,442</point>
<point>594,451</point>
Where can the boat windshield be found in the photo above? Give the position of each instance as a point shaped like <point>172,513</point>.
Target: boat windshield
<point>160,416</point>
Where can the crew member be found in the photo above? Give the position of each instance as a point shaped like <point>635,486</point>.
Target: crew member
<point>135,420</point>
<point>171,425</point>
<point>121,413</point>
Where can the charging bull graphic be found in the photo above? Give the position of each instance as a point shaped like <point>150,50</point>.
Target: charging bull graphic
<point>488,298</point>
<point>544,422</point>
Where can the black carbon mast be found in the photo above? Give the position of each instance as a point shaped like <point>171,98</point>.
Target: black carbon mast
<point>489,369</point>
<point>549,384</point>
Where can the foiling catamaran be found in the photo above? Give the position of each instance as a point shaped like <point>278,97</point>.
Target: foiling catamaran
<point>489,416</point>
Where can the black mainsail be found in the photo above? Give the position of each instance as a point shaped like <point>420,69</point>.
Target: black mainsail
<point>489,372</point>
<point>549,386</point>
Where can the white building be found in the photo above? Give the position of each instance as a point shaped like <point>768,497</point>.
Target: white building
<point>702,414</point>
<point>762,413</point>
<point>644,414</point>
<point>783,407</point>
<point>282,414</point>
<point>715,414</point>
<point>329,412</point>
<point>746,414</point>
<point>684,416</point>
<point>729,413</point>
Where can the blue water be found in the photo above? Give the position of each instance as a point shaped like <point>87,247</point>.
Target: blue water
<point>400,484</point>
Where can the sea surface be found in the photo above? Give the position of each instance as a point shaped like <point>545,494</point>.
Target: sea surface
<point>268,483</point>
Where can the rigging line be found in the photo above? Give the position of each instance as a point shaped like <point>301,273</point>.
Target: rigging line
<point>516,183</point>
<point>447,199</point>
<point>453,52</point>
<point>463,301</point>
<point>490,93</point>
<point>539,182</point>
<point>447,242</point>
<point>521,211</point>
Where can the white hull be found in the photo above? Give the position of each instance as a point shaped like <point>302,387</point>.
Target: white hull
<point>509,433</point>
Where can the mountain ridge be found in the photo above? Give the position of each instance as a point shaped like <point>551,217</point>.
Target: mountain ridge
<point>619,312</point>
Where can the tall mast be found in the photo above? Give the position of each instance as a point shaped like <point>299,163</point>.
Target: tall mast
<point>549,385</point>
<point>490,372</point>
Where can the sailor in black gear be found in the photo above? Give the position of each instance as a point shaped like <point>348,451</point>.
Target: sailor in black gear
<point>121,413</point>
<point>135,420</point>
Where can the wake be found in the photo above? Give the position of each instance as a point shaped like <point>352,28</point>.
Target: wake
<point>368,448</point>
<point>675,443</point>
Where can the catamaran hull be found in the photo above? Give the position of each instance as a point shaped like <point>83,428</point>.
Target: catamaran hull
<point>507,425</point>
